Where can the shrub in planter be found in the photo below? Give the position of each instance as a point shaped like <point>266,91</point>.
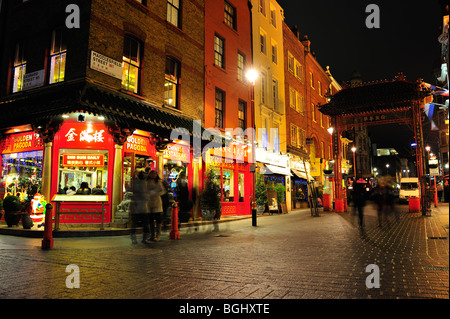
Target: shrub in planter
<point>260,193</point>
<point>210,196</point>
<point>12,208</point>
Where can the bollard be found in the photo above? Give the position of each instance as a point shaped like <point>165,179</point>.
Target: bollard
<point>47,241</point>
<point>174,233</point>
<point>339,205</point>
<point>414,204</point>
<point>254,214</point>
<point>326,202</point>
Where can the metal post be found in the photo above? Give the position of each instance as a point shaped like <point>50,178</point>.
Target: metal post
<point>47,241</point>
<point>253,212</point>
<point>174,233</point>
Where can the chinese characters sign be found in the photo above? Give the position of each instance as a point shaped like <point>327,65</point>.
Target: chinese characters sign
<point>82,135</point>
<point>83,160</point>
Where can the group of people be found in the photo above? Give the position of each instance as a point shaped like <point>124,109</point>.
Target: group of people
<point>151,200</point>
<point>83,190</point>
<point>383,198</point>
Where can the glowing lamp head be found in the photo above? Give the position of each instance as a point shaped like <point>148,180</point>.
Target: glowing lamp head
<point>251,75</point>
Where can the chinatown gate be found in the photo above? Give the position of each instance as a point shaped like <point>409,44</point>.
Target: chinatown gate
<point>376,103</point>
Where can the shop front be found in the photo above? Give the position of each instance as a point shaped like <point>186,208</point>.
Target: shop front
<point>21,162</point>
<point>235,178</point>
<point>299,182</point>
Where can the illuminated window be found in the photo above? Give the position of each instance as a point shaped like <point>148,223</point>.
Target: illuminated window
<point>219,52</point>
<point>241,66</point>
<point>230,15</point>
<point>171,83</point>
<point>173,12</point>
<point>262,40</point>
<point>274,53</point>
<point>313,110</point>
<point>293,135</point>
<point>20,67</point>
<point>58,56</point>
<point>131,64</point>
<point>242,114</point>
<point>228,185</point>
<point>273,16</point>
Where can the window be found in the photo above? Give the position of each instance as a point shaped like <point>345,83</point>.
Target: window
<point>173,12</point>
<point>301,138</point>
<point>298,70</point>
<point>262,7</point>
<point>300,103</point>
<point>276,136</point>
<point>322,147</point>
<point>274,53</point>
<point>220,99</point>
<point>319,86</point>
<point>219,52</point>
<point>230,15</point>
<point>228,185</point>
<point>242,114</point>
<point>293,135</point>
<point>291,63</point>
<point>321,119</point>
<point>262,40</point>
<point>20,67</point>
<point>311,77</point>
<point>275,94</point>
<point>263,88</point>
<point>292,98</point>
<point>313,110</point>
<point>171,82</point>
<point>131,65</point>
<point>265,133</point>
<point>273,17</point>
<point>241,66</point>
<point>241,186</point>
<point>72,173</point>
<point>58,56</point>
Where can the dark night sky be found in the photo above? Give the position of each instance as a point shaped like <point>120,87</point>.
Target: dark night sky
<point>405,42</point>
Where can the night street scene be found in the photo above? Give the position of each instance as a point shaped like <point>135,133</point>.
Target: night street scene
<point>224,158</point>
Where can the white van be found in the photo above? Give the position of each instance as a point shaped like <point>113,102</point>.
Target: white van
<point>409,187</point>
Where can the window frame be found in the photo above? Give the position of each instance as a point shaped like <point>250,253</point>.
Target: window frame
<point>232,16</point>
<point>19,63</point>
<point>174,80</point>
<point>137,64</point>
<point>170,9</point>
<point>221,53</point>
<point>242,109</point>
<point>221,109</point>
<point>53,54</point>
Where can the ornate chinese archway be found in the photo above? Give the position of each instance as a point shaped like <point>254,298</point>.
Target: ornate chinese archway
<point>375,103</point>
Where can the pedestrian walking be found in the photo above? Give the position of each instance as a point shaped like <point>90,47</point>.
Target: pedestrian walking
<point>182,197</point>
<point>440,190</point>
<point>156,190</point>
<point>378,198</point>
<point>139,207</point>
<point>359,200</point>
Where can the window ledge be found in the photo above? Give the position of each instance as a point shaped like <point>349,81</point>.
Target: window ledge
<point>138,5</point>
<point>132,94</point>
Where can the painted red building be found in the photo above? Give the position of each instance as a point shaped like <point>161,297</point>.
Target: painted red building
<point>228,55</point>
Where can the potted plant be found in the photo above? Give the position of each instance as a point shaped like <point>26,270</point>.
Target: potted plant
<point>300,199</point>
<point>260,194</point>
<point>280,189</point>
<point>27,221</point>
<point>210,196</point>
<point>12,208</point>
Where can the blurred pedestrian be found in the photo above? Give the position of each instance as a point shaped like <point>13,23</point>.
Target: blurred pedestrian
<point>156,190</point>
<point>359,200</point>
<point>166,197</point>
<point>440,190</point>
<point>139,207</point>
<point>378,198</point>
<point>182,197</point>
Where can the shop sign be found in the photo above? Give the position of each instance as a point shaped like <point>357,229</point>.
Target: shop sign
<point>267,157</point>
<point>177,152</point>
<point>22,142</point>
<point>106,65</point>
<point>83,134</point>
<point>238,152</point>
<point>139,145</point>
<point>83,160</point>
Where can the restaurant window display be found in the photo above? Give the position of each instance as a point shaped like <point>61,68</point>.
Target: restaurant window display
<point>21,163</point>
<point>78,166</point>
<point>176,158</point>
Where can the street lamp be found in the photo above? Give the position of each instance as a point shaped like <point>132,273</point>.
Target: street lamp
<point>251,76</point>
<point>354,162</point>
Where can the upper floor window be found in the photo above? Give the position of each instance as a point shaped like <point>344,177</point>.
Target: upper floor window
<point>58,56</point>
<point>273,16</point>
<point>171,84</point>
<point>230,15</point>
<point>220,102</point>
<point>131,65</point>
<point>173,12</point>
<point>219,51</point>
<point>262,40</point>
<point>311,77</point>
<point>242,114</point>
<point>274,53</point>
<point>240,66</point>
<point>291,62</point>
<point>20,67</point>
<point>262,7</point>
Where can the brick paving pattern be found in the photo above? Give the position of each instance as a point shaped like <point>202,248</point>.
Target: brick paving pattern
<point>291,256</point>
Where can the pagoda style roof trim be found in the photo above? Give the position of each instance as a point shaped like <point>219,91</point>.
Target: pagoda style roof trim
<point>376,96</point>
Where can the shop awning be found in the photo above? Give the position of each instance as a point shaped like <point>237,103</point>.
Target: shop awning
<point>268,169</point>
<point>300,174</point>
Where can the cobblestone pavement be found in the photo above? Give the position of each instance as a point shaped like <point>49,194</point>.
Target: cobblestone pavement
<point>291,256</point>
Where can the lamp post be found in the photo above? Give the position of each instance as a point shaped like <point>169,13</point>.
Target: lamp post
<point>331,130</point>
<point>354,162</point>
<point>251,76</point>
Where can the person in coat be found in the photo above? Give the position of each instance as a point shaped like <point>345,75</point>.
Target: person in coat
<point>155,191</point>
<point>139,207</point>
